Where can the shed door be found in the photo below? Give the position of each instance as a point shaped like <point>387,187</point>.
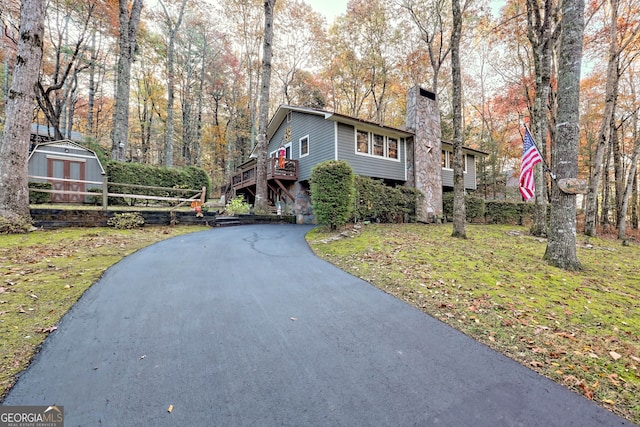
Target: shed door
<point>67,169</point>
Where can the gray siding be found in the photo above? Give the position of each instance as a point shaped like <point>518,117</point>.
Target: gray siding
<point>38,160</point>
<point>367,165</point>
<point>469,176</point>
<point>321,140</point>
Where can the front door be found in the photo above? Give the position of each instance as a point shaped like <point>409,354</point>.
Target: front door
<point>66,169</point>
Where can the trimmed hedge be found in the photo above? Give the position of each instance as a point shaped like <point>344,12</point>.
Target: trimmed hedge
<point>37,197</point>
<point>332,192</point>
<point>474,206</point>
<point>377,202</point>
<point>491,212</point>
<point>189,177</point>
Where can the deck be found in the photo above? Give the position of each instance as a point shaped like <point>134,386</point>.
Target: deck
<point>246,176</point>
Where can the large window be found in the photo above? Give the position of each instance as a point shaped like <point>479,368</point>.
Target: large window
<point>304,146</point>
<point>377,145</point>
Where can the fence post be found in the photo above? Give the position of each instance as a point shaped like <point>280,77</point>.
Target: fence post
<point>105,192</point>
<point>203,195</point>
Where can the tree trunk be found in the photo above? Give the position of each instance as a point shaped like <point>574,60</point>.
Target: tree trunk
<point>561,245</point>
<point>261,203</point>
<point>542,39</point>
<point>14,148</point>
<point>591,211</point>
<point>459,208</point>
<point>622,217</point>
<point>173,31</point>
<point>129,22</point>
<point>92,85</point>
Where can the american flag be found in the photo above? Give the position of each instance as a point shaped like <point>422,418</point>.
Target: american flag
<point>530,157</point>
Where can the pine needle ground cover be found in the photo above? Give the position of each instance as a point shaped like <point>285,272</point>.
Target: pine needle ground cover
<point>581,329</point>
<point>43,273</point>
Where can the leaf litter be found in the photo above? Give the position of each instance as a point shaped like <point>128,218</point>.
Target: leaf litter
<point>580,329</point>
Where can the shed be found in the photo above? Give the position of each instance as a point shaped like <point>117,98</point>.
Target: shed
<point>72,167</point>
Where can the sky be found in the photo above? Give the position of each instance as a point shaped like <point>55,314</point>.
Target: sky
<point>333,8</point>
<point>329,8</point>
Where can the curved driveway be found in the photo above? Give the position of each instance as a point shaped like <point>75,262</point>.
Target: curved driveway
<point>244,326</point>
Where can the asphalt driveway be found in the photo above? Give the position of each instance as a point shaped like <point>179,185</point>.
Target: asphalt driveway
<point>244,326</point>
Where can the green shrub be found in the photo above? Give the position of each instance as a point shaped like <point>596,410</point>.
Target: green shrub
<point>38,197</point>
<point>237,206</point>
<point>474,206</point>
<point>155,176</point>
<point>377,202</point>
<point>126,221</point>
<point>332,192</point>
<point>97,199</point>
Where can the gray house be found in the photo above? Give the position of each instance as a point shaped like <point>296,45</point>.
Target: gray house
<point>68,167</point>
<point>300,138</point>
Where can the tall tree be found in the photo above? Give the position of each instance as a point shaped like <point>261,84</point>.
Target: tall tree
<point>129,21</point>
<point>55,88</point>
<point>542,32</point>
<point>430,16</point>
<point>14,148</point>
<point>561,245</point>
<point>261,203</point>
<point>172,29</point>
<point>459,208</point>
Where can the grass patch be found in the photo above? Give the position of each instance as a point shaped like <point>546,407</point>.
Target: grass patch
<point>580,329</point>
<point>43,273</point>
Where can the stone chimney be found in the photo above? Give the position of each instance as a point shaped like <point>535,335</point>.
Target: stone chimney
<point>425,160</point>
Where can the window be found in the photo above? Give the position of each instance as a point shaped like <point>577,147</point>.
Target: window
<point>378,145</point>
<point>304,146</point>
<point>373,144</point>
<point>447,159</point>
<point>392,144</point>
<point>289,117</point>
<point>362,142</point>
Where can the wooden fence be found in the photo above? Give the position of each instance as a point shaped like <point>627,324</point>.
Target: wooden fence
<point>196,195</point>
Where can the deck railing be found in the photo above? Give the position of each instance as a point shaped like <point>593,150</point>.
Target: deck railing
<point>245,177</point>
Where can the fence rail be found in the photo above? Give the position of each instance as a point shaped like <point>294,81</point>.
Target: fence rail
<point>104,185</point>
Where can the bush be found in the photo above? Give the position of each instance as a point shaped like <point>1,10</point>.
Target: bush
<point>332,192</point>
<point>155,176</point>
<point>474,206</point>
<point>37,197</point>
<point>378,202</point>
<point>126,221</point>
<point>237,206</point>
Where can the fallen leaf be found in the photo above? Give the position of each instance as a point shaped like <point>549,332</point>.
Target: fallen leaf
<point>48,330</point>
<point>637,359</point>
<point>609,401</point>
<point>588,393</point>
<point>170,409</point>
<point>614,355</point>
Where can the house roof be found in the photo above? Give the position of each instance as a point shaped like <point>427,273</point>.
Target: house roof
<point>465,148</point>
<point>66,144</point>
<point>49,132</point>
<point>284,109</point>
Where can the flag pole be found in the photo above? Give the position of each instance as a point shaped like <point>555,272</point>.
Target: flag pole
<point>544,161</point>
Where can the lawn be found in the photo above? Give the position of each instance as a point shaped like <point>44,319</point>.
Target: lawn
<point>581,329</point>
<point>43,273</point>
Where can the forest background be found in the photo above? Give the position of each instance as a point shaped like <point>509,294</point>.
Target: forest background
<point>208,53</point>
